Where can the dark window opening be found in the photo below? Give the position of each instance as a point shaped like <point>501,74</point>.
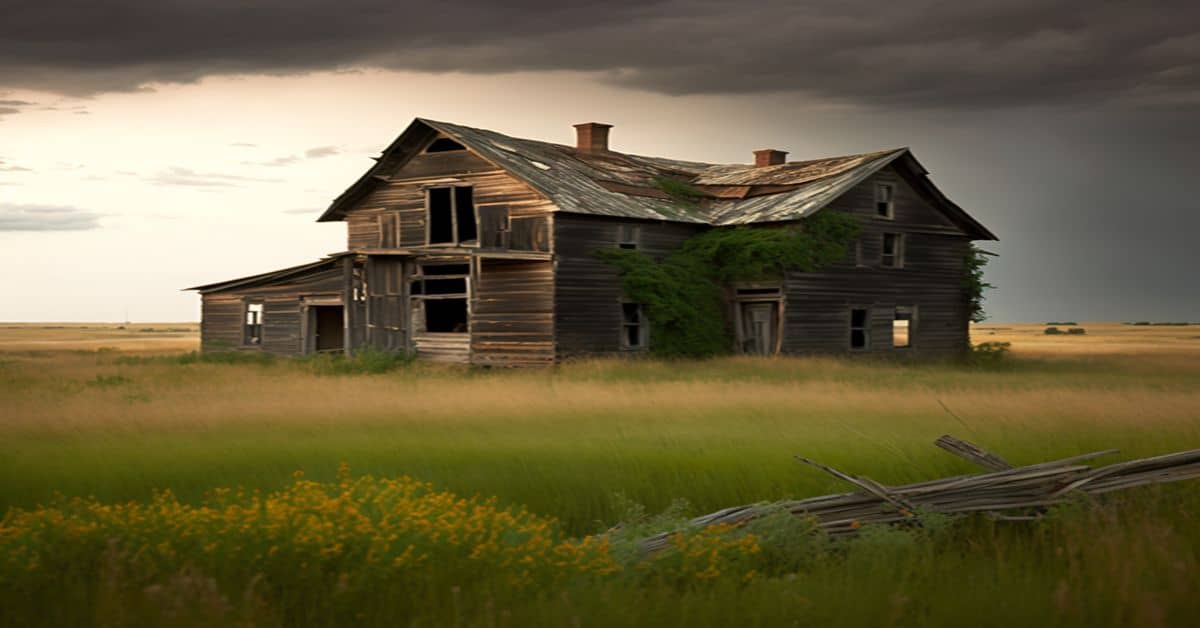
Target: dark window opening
<point>892,255</point>
<point>884,199</point>
<point>252,332</point>
<point>758,291</point>
<point>446,315</point>
<point>860,332</point>
<point>633,326</point>
<point>441,216</point>
<point>443,145</point>
<point>628,236</point>
<point>444,286</point>
<point>902,327</point>
<point>464,213</point>
<point>446,269</point>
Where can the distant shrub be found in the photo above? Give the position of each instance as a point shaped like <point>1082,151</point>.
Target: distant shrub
<point>1142,323</point>
<point>1076,331</point>
<point>368,362</point>
<point>989,353</point>
<point>1052,331</point>
<point>1064,323</point>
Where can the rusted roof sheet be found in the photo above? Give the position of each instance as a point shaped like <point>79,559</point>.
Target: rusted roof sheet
<point>627,186</point>
<point>571,181</point>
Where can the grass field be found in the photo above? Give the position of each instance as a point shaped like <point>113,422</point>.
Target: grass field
<point>116,415</point>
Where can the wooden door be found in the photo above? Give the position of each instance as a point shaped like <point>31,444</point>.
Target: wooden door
<point>759,322</point>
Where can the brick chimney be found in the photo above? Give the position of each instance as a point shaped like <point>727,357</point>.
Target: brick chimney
<point>769,157</point>
<point>591,137</point>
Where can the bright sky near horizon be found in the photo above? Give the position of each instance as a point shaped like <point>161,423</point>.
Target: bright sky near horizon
<point>128,174</point>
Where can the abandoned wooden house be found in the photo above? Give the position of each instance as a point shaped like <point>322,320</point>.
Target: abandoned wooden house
<point>472,246</point>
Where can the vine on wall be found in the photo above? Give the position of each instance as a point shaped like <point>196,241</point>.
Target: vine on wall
<point>683,294</point>
<point>977,258</point>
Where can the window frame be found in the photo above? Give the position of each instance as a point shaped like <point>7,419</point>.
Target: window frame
<point>890,213</point>
<point>912,325</point>
<point>382,220</point>
<point>865,328</point>
<point>455,239</point>
<point>860,260</point>
<point>897,255</point>
<point>249,339</point>
<point>629,236</point>
<point>417,296</point>
<point>642,325</point>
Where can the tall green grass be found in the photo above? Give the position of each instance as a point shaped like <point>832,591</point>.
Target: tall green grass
<point>579,442</point>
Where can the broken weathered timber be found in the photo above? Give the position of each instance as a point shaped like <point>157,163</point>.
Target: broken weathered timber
<point>1007,493</point>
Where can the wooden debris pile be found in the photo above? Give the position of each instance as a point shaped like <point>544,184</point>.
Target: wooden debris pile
<point>1005,492</point>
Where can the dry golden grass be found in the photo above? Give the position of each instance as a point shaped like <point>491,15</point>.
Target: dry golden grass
<point>1101,338</point>
<point>139,337</point>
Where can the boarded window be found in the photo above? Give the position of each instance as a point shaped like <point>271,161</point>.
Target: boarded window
<point>859,259</point>
<point>633,326</point>
<point>529,234</point>
<point>884,199</point>
<point>493,226</point>
<point>389,230</point>
<point>902,327</point>
<point>892,255</point>
<point>441,216</point>
<point>252,331</point>
<point>860,330</point>
<point>628,236</point>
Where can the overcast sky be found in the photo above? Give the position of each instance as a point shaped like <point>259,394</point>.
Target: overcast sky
<point>149,146</point>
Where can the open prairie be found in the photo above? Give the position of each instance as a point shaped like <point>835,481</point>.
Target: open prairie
<point>525,466</point>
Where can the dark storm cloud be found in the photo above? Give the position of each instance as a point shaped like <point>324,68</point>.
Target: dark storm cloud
<point>16,217</point>
<point>929,53</point>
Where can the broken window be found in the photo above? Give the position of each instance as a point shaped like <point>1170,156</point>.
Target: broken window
<point>902,327</point>
<point>439,293</point>
<point>628,236</point>
<point>893,251</point>
<point>443,145</point>
<point>633,326</point>
<point>389,230</point>
<point>451,218</point>
<point>860,330</point>
<point>252,331</point>
<point>884,199</point>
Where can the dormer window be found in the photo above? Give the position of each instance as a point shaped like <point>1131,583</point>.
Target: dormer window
<point>885,194</point>
<point>450,215</point>
<point>444,145</point>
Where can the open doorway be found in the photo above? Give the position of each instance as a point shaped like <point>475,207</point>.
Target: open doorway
<point>328,327</point>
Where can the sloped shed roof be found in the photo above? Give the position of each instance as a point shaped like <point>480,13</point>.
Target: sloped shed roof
<point>625,185</point>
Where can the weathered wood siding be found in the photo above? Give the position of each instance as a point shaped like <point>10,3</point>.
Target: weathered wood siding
<point>512,313</point>
<point>818,304</point>
<point>404,196</point>
<point>222,313</point>
<point>587,292</point>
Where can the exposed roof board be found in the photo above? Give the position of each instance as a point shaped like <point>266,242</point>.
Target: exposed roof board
<point>624,185</point>
<point>270,277</point>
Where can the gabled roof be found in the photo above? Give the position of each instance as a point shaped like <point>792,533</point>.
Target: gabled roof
<point>629,186</point>
<point>271,277</point>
